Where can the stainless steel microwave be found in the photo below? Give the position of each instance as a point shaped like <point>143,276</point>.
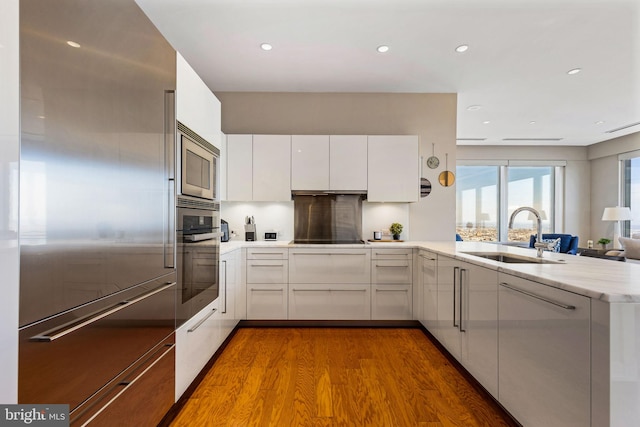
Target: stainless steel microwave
<point>198,169</point>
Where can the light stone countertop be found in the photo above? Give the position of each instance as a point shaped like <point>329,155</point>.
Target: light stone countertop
<point>606,280</point>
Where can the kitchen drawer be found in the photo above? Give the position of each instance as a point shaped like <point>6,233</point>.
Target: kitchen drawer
<point>267,253</point>
<point>399,254</point>
<point>267,302</point>
<point>329,302</point>
<point>267,271</point>
<point>391,271</point>
<point>328,266</point>
<point>391,302</point>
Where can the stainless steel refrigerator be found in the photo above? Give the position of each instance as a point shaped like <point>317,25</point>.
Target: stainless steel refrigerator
<point>97,220</point>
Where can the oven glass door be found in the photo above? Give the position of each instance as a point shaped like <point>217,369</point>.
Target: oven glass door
<point>198,253</point>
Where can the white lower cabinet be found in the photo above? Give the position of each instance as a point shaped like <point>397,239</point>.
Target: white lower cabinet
<point>428,284</point>
<point>229,292</point>
<point>267,283</point>
<point>329,301</point>
<point>544,354</point>
<point>329,266</point>
<point>468,318</point>
<point>196,342</point>
<point>391,284</point>
<point>391,302</point>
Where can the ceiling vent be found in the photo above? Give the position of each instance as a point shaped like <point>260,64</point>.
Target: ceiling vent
<point>532,139</point>
<point>623,127</point>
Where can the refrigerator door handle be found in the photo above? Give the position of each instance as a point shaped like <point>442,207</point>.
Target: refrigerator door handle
<point>67,328</point>
<point>170,175</point>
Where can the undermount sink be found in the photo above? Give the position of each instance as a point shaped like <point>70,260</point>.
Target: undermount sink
<point>511,258</point>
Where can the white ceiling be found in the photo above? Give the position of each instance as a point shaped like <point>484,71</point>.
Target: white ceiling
<point>515,68</point>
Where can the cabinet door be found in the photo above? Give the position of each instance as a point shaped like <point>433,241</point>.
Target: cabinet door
<point>329,302</point>
<point>544,351</point>
<point>348,162</point>
<point>387,271</point>
<point>196,106</point>
<point>429,281</point>
<point>196,341</point>
<point>310,162</point>
<point>267,302</point>
<point>447,328</point>
<point>271,168</point>
<point>391,302</point>
<point>330,266</point>
<point>267,271</point>
<point>479,324</point>
<point>239,168</point>
<point>228,293</point>
<point>393,169</point>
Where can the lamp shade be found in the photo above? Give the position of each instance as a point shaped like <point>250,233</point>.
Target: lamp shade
<point>618,213</point>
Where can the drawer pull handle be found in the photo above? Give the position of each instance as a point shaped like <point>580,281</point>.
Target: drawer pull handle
<point>267,265</point>
<point>393,266</point>
<point>392,290</point>
<point>267,290</point>
<point>67,328</point>
<point>201,321</point>
<point>532,295</point>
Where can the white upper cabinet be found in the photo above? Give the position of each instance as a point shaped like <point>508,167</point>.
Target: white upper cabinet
<point>348,162</point>
<point>239,159</point>
<point>272,168</point>
<point>310,162</point>
<point>196,106</point>
<point>393,168</point>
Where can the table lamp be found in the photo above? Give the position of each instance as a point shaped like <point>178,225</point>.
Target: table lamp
<point>617,214</point>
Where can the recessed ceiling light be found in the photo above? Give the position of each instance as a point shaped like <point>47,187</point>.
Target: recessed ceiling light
<point>574,71</point>
<point>600,122</point>
<point>474,107</point>
<point>383,48</point>
<point>532,122</point>
<point>266,46</point>
<point>41,117</point>
<point>486,122</point>
<point>462,48</point>
<point>73,44</point>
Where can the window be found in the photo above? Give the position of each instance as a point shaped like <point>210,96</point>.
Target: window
<point>487,195</point>
<point>631,193</point>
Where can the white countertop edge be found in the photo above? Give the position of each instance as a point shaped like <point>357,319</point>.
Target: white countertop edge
<point>605,280</point>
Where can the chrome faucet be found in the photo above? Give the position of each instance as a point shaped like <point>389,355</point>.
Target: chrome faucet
<point>539,245</point>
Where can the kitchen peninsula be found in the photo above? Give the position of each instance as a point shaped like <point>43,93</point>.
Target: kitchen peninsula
<point>554,342</point>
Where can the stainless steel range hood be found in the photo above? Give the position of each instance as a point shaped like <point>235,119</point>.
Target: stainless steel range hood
<point>327,217</point>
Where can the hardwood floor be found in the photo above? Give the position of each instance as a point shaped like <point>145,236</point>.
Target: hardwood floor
<point>335,377</point>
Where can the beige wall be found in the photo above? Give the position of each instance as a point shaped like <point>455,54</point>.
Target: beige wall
<point>431,116</point>
<point>577,207</point>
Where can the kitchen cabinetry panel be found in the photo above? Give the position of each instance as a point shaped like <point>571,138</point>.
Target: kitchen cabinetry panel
<point>271,168</point>
<point>310,162</point>
<point>267,302</point>
<point>229,293</point>
<point>544,351</point>
<point>329,265</point>
<point>267,253</point>
<point>393,168</point>
<point>267,271</point>
<point>329,302</point>
<point>428,282</point>
<point>348,162</point>
<point>391,271</point>
<point>196,106</point>
<point>391,302</point>
<point>239,168</point>
<point>196,342</point>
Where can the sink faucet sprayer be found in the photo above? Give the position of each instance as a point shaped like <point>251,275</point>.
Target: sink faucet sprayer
<point>539,245</point>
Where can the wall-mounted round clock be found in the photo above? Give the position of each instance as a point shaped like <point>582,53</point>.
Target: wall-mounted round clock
<point>433,162</point>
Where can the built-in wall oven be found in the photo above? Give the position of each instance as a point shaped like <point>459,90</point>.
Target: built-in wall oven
<point>197,255</point>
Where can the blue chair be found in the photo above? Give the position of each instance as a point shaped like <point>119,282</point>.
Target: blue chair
<point>458,238</point>
<point>568,243</point>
